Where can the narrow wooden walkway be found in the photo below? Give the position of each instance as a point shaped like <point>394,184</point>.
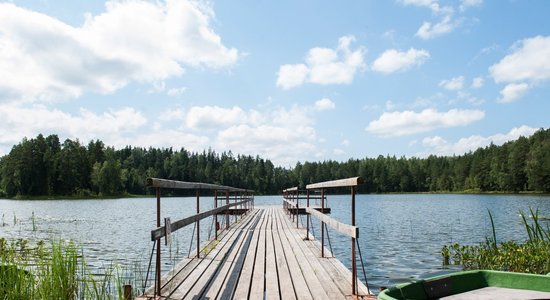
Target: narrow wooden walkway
<point>263,256</point>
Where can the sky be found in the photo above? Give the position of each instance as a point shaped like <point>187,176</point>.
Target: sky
<point>288,80</point>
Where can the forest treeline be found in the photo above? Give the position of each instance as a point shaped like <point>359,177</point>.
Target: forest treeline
<point>43,166</point>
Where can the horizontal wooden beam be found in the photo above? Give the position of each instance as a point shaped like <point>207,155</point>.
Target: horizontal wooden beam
<point>290,202</point>
<point>292,189</point>
<point>353,181</point>
<point>174,184</point>
<point>161,231</point>
<point>352,231</point>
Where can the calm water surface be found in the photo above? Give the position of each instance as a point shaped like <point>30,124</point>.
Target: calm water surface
<point>400,235</point>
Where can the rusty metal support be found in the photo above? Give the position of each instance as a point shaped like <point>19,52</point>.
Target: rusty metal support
<point>197,191</point>
<point>307,217</point>
<point>353,260</point>
<point>216,215</point>
<point>297,209</point>
<point>157,267</point>
<point>322,223</point>
<point>227,212</point>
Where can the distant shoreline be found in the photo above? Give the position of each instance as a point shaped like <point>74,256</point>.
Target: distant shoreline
<point>104,197</point>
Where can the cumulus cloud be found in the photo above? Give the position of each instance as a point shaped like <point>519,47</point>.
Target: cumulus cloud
<point>429,30</point>
<point>266,133</point>
<point>272,139</point>
<point>431,4</point>
<point>324,66</point>
<point>477,82</point>
<point>438,145</point>
<point>465,4</point>
<point>324,104</point>
<point>215,117</point>
<point>393,60</point>
<point>453,84</point>
<point>512,92</point>
<point>131,41</point>
<point>529,60</point>
<point>19,121</point>
<point>397,123</point>
<point>525,67</point>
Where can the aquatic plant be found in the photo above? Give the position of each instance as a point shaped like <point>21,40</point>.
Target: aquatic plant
<point>57,271</point>
<point>531,256</point>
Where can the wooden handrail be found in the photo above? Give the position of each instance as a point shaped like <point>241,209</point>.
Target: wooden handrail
<point>160,232</point>
<point>352,231</point>
<point>353,181</point>
<point>175,184</point>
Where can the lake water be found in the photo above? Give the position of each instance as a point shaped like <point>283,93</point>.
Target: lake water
<point>400,235</point>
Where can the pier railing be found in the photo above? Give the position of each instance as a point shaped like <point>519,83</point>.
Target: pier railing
<point>291,201</point>
<point>237,201</point>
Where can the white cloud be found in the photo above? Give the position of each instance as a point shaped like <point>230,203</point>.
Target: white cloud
<point>393,60</point>
<point>290,76</point>
<point>431,4</point>
<point>438,145</point>
<point>131,41</point>
<point>324,66</point>
<point>345,142</point>
<point>215,117</point>
<point>453,84</point>
<point>470,3</point>
<point>338,151</point>
<point>324,104</point>
<point>478,82</point>
<point>396,123</point>
<point>390,105</point>
<point>269,141</point>
<point>174,92</point>
<point>512,92</point>
<point>428,30</point>
<point>19,121</point>
<point>529,61</point>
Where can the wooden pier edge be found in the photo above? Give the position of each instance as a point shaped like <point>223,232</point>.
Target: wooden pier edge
<point>262,253</point>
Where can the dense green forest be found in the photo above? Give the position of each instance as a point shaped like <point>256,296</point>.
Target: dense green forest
<point>43,166</point>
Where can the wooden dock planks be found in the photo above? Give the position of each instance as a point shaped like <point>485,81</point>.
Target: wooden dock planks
<point>263,256</point>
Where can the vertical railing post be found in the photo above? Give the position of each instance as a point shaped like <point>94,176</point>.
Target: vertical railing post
<point>322,223</point>
<point>307,217</point>
<point>227,210</point>
<point>197,191</point>
<point>216,215</point>
<point>353,260</point>
<point>297,208</point>
<point>157,267</point>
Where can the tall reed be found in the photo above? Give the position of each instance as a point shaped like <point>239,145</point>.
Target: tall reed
<point>530,256</point>
<point>57,271</point>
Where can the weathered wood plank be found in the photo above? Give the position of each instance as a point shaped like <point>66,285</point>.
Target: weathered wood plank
<point>271,269</point>
<point>312,260</point>
<point>352,231</point>
<point>210,285</point>
<point>257,286</point>
<point>316,289</point>
<point>201,271</point>
<point>291,279</point>
<point>228,287</point>
<point>245,279</point>
<point>354,181</point>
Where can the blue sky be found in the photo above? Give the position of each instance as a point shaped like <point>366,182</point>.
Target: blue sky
<point>287,80</point>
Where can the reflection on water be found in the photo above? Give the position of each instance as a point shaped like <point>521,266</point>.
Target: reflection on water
<point>400,235</point>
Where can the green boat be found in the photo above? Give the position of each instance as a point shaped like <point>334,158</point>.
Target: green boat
<point>473,285</point>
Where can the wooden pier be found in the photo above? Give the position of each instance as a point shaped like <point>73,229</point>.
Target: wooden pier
<point>264,255</point>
